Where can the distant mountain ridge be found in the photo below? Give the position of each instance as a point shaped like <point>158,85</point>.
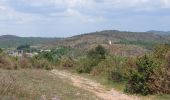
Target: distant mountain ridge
<point>102,37</point>
<point>160,32</point>
<point>88,40</point>
<point>123,42</point>
<point>12,41</point>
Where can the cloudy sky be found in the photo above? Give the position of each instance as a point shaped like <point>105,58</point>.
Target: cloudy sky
<point>61,18</point>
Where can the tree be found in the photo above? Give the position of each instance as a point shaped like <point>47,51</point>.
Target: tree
<point>98,53</point>
<point>94,57</point>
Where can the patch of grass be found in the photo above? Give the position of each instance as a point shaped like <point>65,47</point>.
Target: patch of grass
<point>103,80</point>
<point>162,97</point>
<point>41,84</point>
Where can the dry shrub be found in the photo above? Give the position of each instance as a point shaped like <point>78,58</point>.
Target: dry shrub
<point>24,62</point>
<point>67,62</point>
<point>41,64</point>
<point>6,62</point>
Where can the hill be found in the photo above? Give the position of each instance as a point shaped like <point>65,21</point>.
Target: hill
<point>117,37</point>
<point>123,43</point>
<point>160,32</point>
<point>10,41</point>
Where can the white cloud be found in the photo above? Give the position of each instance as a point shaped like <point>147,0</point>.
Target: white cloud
<point>165,3</point>
<point>8,14</point>
<point>74,14</point>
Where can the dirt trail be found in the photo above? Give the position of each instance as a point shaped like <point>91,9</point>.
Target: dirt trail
<point>94,87</point>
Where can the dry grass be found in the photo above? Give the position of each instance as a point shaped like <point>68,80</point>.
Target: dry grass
<point>31,84</point>
<point>10,88</point>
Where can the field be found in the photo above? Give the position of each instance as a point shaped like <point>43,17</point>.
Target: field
<point>38,84</point>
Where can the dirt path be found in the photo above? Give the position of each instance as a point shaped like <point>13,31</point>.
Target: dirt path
<point>94,87</point>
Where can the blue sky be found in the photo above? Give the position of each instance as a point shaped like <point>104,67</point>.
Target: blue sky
<point>62,18</point>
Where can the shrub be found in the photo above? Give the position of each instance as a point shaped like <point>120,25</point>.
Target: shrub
<point>85,65</point>
<point>67,62</point>
<point>6,62</point>
<point>94,57</point>
<point>24,62</point>
<point>98,53</point>
<point>140,80</point>
<point>160,51</point>
<point>41,64</point>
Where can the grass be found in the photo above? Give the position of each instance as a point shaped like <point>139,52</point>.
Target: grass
<point>120,86</point>
<point>31,84</point>
<point>102,80</point>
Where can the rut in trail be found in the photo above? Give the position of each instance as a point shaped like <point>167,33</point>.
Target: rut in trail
<point>94,87</point>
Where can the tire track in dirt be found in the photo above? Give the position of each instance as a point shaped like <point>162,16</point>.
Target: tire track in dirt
<point>94,87</point>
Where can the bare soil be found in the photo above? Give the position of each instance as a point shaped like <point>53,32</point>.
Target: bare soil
<point>94,87</point>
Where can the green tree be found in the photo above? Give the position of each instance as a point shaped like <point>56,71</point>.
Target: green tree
<point>98,53</point>
<point>94,57</point>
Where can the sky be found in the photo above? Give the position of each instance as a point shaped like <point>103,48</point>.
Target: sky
<point>63,18</point>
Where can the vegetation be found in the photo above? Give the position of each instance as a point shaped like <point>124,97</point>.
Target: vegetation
<point>93,58</point>
<point>66,62</point>
<point>10,41</point>
<point>146,44</point>
<point>145,74</point>
<point>54,55</point>
<point>1,50</point>
<point>151,74</point>
<point>31,84</point>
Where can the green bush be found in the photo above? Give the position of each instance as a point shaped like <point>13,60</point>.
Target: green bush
<point>141,79</point>
<point>98,53</point>
<point>85,65</point>
<point>54,55</point>
<point>94,57</point>
<point>113,67</point>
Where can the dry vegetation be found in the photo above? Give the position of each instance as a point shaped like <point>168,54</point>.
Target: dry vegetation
<point>32,84</point>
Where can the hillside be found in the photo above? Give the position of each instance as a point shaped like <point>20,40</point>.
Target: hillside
<point>160,32</point>
<point>8,41</point>
<point>125,42</point>
<point>111,35</point>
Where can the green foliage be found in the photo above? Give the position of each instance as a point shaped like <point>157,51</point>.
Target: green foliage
<point>9,41</point>
<point>93,58</point>
<point>113,67</point>
<point>1,50</point>
<point>139,80</point>
<point>85,65</point>
<point>23,47</point>
<point>98,53</point>
<point>55,55</point>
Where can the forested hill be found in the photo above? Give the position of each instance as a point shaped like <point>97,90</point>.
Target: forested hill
<point>9,41</point>
<point>146,39</point>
